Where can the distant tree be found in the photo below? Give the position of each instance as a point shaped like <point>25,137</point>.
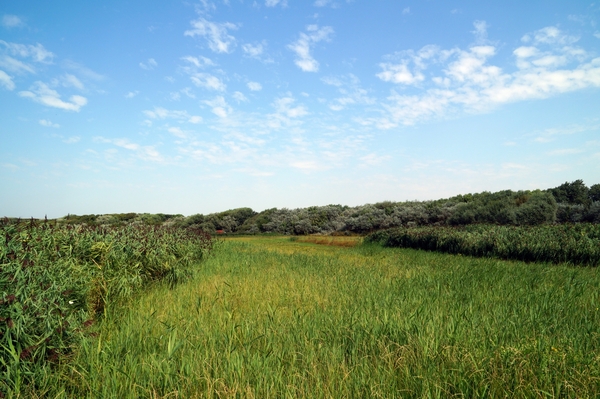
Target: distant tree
<point>594,193</point>
<point>575,193</point>
<point>539,208</point>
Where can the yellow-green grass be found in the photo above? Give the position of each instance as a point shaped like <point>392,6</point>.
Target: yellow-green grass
<point>273,318</point>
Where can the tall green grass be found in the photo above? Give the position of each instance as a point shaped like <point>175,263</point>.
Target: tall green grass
<point>55,281</point>
<point>271,318</point>
<point>577,244</point>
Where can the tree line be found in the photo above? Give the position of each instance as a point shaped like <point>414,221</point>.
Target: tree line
<point>570,202</point>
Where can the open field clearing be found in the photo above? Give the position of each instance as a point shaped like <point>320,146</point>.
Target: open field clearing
<point>269,317</point>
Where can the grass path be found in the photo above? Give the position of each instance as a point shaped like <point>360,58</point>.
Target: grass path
<point>268,317</point>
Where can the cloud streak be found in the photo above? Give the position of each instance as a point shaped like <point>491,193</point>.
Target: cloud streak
<point>216,34</point>
<point>41,93</point>
<point>304,45</point>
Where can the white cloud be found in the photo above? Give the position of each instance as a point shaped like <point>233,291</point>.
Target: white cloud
<point>162,113</point>
<point>480,31</point>
<point>6,81</point>
<point>149,65</point>
<point>37,53</point>
<point>11,21</point>
<point>199,62</point>
<point>132,94</point>
<point>302,46</point>
<point>177,132</point>
<point>373,159</point>
<point>406,10</point>
<point>82,70</point>
<point>285,113</point>
<point>399,73</point>
<point>72,140</point>
<point>284,107</point>
<point>253,50</point>
<point>565,151</point>
<point>239,96</point>
<point>41,93</point>
<point>47,123</point>
<point>254,86</point>
<point>13,65</point>
<point>469,80</point>
<point>219,107</point>
<point>549,35</point>
<point>147,153</point>
<point>219,40</point>
<point>305,165</point>
<point>273,3</point>
<point>208,81</point>
<point>351,92</point>
<point>188,92</point>
<point>69,80</point>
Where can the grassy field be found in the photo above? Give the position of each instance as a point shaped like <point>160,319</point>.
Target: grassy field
<point>269,317</point>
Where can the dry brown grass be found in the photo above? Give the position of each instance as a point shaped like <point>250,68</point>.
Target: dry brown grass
<point>337,241</point>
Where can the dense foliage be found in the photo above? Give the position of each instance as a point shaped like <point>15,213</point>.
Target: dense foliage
<point>568,203</point>
<point>56,280</point>
<point>575,244</point>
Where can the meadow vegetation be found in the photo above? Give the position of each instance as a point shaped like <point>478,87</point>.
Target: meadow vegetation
<point>267,317</point>
<point>130,305</point>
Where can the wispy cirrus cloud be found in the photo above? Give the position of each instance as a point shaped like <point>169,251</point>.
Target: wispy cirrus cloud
<point>199,62</point>
<point>26,55</point>
<point>257,51</point>
<point>47,123</point>
<point>254,86</point>
<point>43,94</point>
<point>6,81</point>
<point>219,107</point>
<point>149,65</point>
<point>163,113</point>
<point>208,81</point>
<point>10,21</point>
<point>303,46</point>
<point>216,34</point>
<point>143,152</point>
<point>350,91</point>
<point>36,53</point>
<point>273,3</point>
<point>82,70</point>
<point>68,80</point>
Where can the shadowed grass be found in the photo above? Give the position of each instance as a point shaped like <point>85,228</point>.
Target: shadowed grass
<point>272,318</point>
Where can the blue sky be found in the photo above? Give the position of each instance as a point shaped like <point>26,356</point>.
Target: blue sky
<point>198,107</point>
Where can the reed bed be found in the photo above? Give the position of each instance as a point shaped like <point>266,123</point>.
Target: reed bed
<point>577,244</point>
<point>57,281</point>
